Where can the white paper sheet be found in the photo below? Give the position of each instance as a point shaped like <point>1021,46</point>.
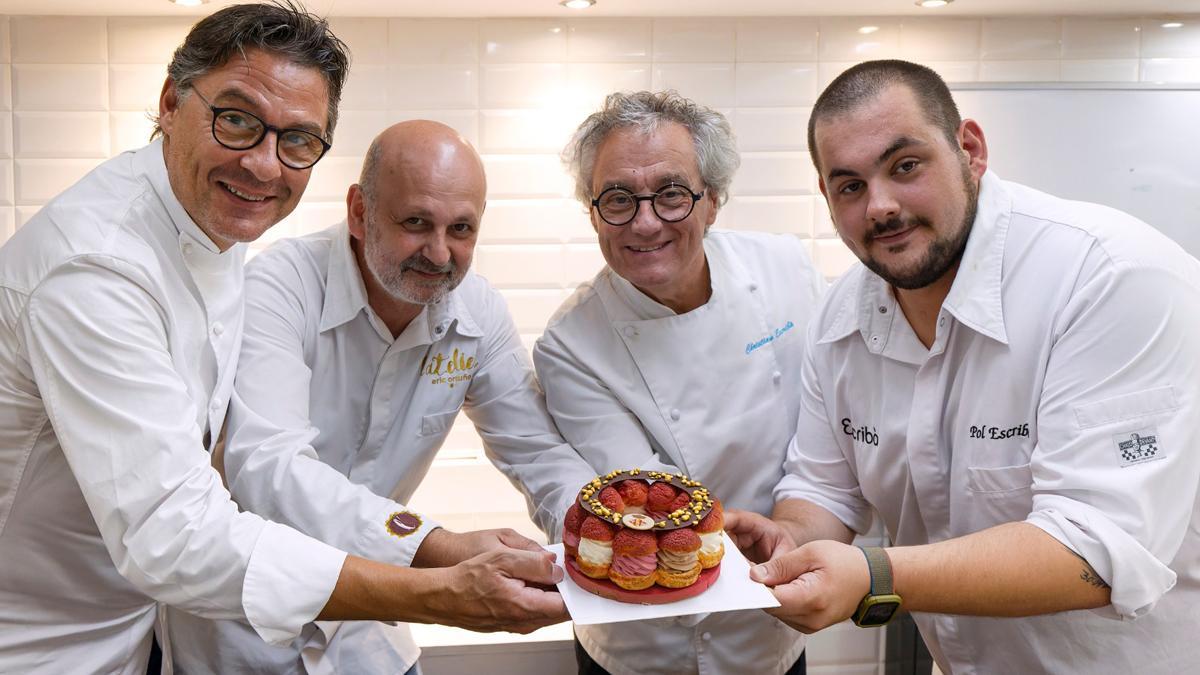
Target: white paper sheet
<point>732,590</point>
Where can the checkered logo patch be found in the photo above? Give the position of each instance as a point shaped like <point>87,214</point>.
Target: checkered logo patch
<point>1138,447</point>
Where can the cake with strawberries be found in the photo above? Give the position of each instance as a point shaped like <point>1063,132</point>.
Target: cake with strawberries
<point>645,531</point>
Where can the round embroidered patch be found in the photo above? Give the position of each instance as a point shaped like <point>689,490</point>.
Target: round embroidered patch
<point>403,523</point>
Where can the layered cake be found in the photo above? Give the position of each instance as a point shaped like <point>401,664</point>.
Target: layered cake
<point>645,529</point>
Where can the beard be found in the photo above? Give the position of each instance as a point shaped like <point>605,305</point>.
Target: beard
<point>396,278</point>
<point>941,256</point>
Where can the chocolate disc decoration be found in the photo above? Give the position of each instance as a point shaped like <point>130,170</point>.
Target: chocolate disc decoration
<point>699,504</point>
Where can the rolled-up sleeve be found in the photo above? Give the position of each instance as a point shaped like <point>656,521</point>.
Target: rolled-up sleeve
<point>97,339</point>
<point>1115,471</point>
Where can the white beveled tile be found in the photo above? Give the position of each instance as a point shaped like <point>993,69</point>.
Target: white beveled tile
<point>6,136</point>
<point>532,308</point>
<point>6,184</point>
<point>60,87</point>
<point>923,39</point>
<point>525,176</point>
<point>619,40</point>
<point>366,88</point>
<point>523,41</point>
<point>520,265</point>
<point>955,71</point>
<point>762,129</point>
<point>135,86</point>
<point>859,38</point>
<point>710,84</point>
<point>355,131</point>
<point>776,84</point>
<point>5,87</point>
<point>843,644</point>
<point>1019,71</point>
<point>128,131</point>
<point>366,37</point>
<point>823,227</point>
<point>310,216</point>
<point>777,39</point>
<point>788,214</point>
<point>1088,38</point>
<point>8,219</point>
<point>1171,71</point>
<point>433,41</point>
<point>60,135</point>
<point>331,177</point>
<point>1179,43</point>
<point>1099,70</point>
<point>5,39</point>
<point>59,39</point>
<point>580,263</point>
<point>522,85</point>
<point>1021,39</point>
<point>589,83</point>
<point>775,173</point>
<point>433,86</point>
<point>26,212</point>
<point>465,122</point>
<point>37,181</point>
<point>145,39</point>
<point>528,130</point>
<point>828,70</point>
<point>680,39</point>
<point>832,257</point>
<point>533,221</point>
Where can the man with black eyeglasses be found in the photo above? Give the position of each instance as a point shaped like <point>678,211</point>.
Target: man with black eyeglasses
<point>679,355</point>
<point>121,311</point>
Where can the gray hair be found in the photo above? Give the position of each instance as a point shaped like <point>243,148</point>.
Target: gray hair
<point>369,178</point>
<point>282,27</point>
<point>716,148</point>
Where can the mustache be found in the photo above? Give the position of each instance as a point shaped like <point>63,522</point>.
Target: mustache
<point>894,224</point>
<point>424,265</point>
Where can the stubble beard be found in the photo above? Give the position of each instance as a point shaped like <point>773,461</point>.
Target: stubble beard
<point>390,273</point>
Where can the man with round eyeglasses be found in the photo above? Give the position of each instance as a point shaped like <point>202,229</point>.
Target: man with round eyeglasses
<point>679,355</point>
<point>121,307</point>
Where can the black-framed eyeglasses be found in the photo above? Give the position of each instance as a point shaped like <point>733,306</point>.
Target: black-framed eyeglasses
<point>619,206</point>
<point>237,129</point>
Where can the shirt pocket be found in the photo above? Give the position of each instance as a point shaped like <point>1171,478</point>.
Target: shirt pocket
<point>998,495</point>
<point>1127,407</point>
<point>437,423</point>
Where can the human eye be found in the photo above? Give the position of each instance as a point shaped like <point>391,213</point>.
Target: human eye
<point>850,187</point>
<point>673,193</point>
<point>906,166</point>
<point>462,229</point>
<point>414,224</point>
<point>236,119</point>
<point>295,138</point>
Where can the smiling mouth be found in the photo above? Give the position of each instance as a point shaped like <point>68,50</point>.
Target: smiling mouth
<point>646,249</point>
<point>242,195</point>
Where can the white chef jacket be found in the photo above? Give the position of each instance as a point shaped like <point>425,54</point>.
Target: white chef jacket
<point>121,323</point>
<point>1061,390</point>
<point>712,392</point>
<point>336,423</point>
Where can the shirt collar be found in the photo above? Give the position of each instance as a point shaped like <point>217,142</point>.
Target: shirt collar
<point>975,296</point>
<point>346,297</point>
<point>151,162</point>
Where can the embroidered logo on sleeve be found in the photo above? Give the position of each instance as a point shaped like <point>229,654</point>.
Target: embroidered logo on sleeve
<point>403,523</point>
<point>1138,447</point>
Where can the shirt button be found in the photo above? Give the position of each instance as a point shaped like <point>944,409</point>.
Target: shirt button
<point>218,328</point>
<point>882,309</point>
<point>630,331</point>
<point>439,328</point>
<point>675,414</point>
<point>874,339</point>
<point>214,406</point>
<point>753,287</point>
<point>942,321</point>
<point>777,376</point>
<point>706,636</point>
<point>187,248</point>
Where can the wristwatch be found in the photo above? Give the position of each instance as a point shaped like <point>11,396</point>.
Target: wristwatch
<point>881,603</point>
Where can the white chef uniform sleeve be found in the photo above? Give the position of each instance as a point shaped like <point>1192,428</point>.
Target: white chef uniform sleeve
<point>816,468</point>
<point>1115,471</point>
<point>270,463</point>
<point>98,348</point>
<point>508,410</point>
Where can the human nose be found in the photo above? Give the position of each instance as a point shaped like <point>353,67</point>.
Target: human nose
<point>436,249</point>
<point>881,204</point>
<point>645,220</point>
<point>262,160</point>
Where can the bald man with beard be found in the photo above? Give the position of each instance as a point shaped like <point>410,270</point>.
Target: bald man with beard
<point>362,343</point>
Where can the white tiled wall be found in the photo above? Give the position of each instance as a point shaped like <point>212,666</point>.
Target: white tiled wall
<point>74,90</point>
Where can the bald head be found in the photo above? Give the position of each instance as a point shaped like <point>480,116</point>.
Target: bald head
<point>423,152</point>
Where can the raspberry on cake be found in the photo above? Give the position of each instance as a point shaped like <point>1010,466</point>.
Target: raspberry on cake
<point>712,539</point>
<point>678,561</point>
<point>634,562</point>
<point>595,547</point>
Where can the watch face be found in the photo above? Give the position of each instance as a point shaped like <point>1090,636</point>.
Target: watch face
<point>879,614</point>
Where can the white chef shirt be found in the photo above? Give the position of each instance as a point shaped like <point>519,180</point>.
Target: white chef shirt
<point>1061,390</point>
<point>336,423</point>
<point>712,392</point>
<point>121,324</point>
